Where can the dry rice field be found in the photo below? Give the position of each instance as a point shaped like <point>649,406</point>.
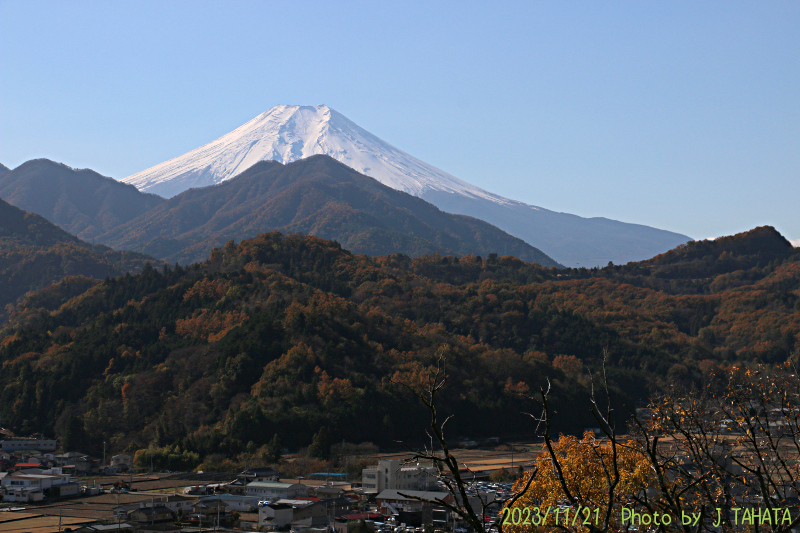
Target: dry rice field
<point>38,524</point>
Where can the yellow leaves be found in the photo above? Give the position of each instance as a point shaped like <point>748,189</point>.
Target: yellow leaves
<point>53,349</point>
<point>209,326</point>
<point>334,391</point>
<point>8,340</point>
<point>295,315</point>
<point>415,376</point>
<point>110,368</point>
<point>258,270</point>
<point>536,357</point>
<point>520,387</point>
<point>569,364</point>
<point>207,288</point>
<point>486,287</point>
<point>20,358</point>
<point>283,374</point>
<point>586,465</point>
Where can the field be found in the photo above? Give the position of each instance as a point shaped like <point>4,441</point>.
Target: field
<point>36,523</point>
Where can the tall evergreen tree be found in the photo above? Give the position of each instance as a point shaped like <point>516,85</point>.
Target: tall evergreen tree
<point>321,444</point>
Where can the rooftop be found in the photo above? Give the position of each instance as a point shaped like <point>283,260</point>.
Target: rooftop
<point>391,494</point>
<point>270,484</point>
<point>295,503</point>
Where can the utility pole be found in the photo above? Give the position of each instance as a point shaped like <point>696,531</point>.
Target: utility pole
<point>217,524</point>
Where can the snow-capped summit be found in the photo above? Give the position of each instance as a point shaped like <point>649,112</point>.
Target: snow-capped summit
<point>288,133</point>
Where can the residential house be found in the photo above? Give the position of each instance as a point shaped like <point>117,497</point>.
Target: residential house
<point>122,462</point>
<point>151,515</point>
<point>345,523</point>
<point>336,506</point>
<point>286,512</point>
<point>331,490</point>
<point>171,502</point>
<point>86,465</point>
<point>272,516</point>
<point>259,474</point>
<point>106,528</point>
<point>252,475</point>
<point>239,503</point>
<point>211,510</point>
<point>248,521</point>
<point>67,458</point>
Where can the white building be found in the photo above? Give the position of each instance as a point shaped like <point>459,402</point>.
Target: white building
<point>275,490</point>
<point>395,475</point>
<point>19,487</point>
<point>296,512</point>
<point>24,444</point>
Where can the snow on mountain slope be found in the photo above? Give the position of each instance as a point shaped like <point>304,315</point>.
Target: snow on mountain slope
<point>288,133</point>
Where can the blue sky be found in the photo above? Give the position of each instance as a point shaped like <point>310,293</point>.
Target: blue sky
<point>679,115</point>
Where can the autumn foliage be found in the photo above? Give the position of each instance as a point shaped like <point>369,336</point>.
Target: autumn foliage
<point>290,334</point>
<point>589,467</point>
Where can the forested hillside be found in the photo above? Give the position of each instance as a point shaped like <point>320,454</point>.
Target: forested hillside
<point>80,201</point>
<point>289,334</point>
<point>318,196</point>
<point>35,253</point>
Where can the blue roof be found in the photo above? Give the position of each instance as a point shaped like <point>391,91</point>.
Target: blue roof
<point>327,474</point>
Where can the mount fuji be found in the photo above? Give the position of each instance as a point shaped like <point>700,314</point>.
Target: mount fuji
<point>290,133</point>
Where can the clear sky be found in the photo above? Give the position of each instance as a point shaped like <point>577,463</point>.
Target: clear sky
<point>679,115</point>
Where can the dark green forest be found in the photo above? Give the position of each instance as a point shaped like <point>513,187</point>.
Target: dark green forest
<point>35,253</point>
<point>294,336</point>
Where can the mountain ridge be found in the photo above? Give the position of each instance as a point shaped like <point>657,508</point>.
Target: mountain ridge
<point>288,133</point>
<point>35,253</point>
<point>81,201</point>
<point>764,241</point>
<point>319,196</point>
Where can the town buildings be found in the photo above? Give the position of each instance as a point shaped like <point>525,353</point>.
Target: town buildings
<point>397,475</point>
<point>35,485</point>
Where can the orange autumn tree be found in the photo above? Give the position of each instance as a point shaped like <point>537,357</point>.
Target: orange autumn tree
<point>585,488</point>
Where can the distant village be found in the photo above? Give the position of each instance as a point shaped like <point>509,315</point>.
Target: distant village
<point>387,499</point>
